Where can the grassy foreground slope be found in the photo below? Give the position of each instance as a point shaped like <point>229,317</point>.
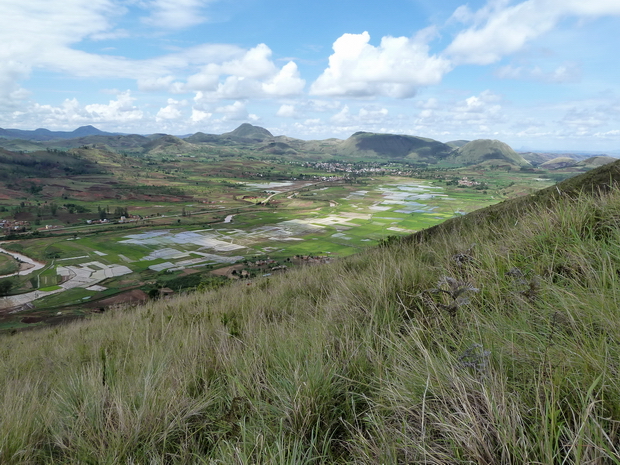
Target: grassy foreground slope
<point>493,338</point>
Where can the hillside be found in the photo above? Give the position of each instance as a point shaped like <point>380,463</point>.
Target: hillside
<point>558,162</point>
<point>392,146</point>
<point>594,162</point>
<point>168,145</point>
<point>492,338</point>
<point>486,151</point>
<point>248,131</point>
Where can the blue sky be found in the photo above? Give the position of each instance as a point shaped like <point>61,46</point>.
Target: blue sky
<point>540,74</point>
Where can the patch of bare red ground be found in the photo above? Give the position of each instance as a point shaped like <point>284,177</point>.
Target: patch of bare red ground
<point>133,297</point>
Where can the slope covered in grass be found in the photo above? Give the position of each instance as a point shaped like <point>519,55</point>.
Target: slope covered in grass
<point>491,339</point>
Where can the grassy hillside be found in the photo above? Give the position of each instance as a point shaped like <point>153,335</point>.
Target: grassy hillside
<point>392,146</point>
<point>493,338</point>
<point>489,152</point>
<point>559,162</point>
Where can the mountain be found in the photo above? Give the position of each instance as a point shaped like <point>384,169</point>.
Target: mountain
<point>247,131</point>
<point>392,146</point>
<point>45,134</point>
<point>488,152</point>
<point>558,162</point>
<point>249,138</point>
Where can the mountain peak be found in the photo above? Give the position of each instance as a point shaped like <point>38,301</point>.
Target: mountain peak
<point>248,131</point>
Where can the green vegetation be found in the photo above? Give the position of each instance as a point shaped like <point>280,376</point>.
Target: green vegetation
<point>8,264</point>
<point>492,338</point>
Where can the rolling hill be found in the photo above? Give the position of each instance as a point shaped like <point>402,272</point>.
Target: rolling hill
<point>391,146</point>
<point>259,141</point>
<point>486,151</point>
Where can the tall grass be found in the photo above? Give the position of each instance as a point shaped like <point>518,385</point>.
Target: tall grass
<point>497,345</point>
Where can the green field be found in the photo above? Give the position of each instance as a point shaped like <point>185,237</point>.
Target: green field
<point>275,217</point>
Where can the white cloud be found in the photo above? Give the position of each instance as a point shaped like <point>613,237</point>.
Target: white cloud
<point>287,111</point>
<point>286,83</point>
<point>342,117</point>
<point>198,116</point>
<point>120,110</point>
<point>172,111</point>
<point>235,112</point>
<point>71,114</point>
<point>155,84</point>
<point>396,68</point>
<point>500,29</point>
<point>255,63</point>
<point>33,31</point>
<point>176,14</point>
<point>252,74</point>
<point>568,72</point>
<point>365,116</point>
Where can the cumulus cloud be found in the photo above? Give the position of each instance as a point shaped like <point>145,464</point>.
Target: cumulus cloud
<point>287,111</point>
<point>500,29</point>
<point>71,114</point>
<point>120,110</point>
<point>172,111</point>
<point>286,82</point>
<point>199,116</point>
<point>235,112</point>
<point>396,68</point>
<point>42,34</point>
<point>252,74</point>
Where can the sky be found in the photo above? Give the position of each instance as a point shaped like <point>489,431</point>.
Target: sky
<point>536,74</point>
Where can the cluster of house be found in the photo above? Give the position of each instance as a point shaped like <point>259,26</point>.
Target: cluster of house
<point>467,182</point>
<point>129,219</point>
<point>8,226</point>
<point>122,219</point>
<point>105,220</point>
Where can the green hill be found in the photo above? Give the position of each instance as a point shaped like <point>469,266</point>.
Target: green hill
<point>168,145</point>
<point>392,146</point>
<point>486,151</point>
<point>596,161</point>
<point>559,162</point>
<point>248,131</point>
<point>492,338</point>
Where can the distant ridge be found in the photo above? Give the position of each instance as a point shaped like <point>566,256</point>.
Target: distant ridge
<point>42,134</point>
<point>359,146</point>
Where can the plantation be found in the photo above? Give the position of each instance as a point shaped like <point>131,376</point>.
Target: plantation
<point>490,338</point>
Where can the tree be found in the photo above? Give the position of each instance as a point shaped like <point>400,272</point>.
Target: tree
<point>5,286</point>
